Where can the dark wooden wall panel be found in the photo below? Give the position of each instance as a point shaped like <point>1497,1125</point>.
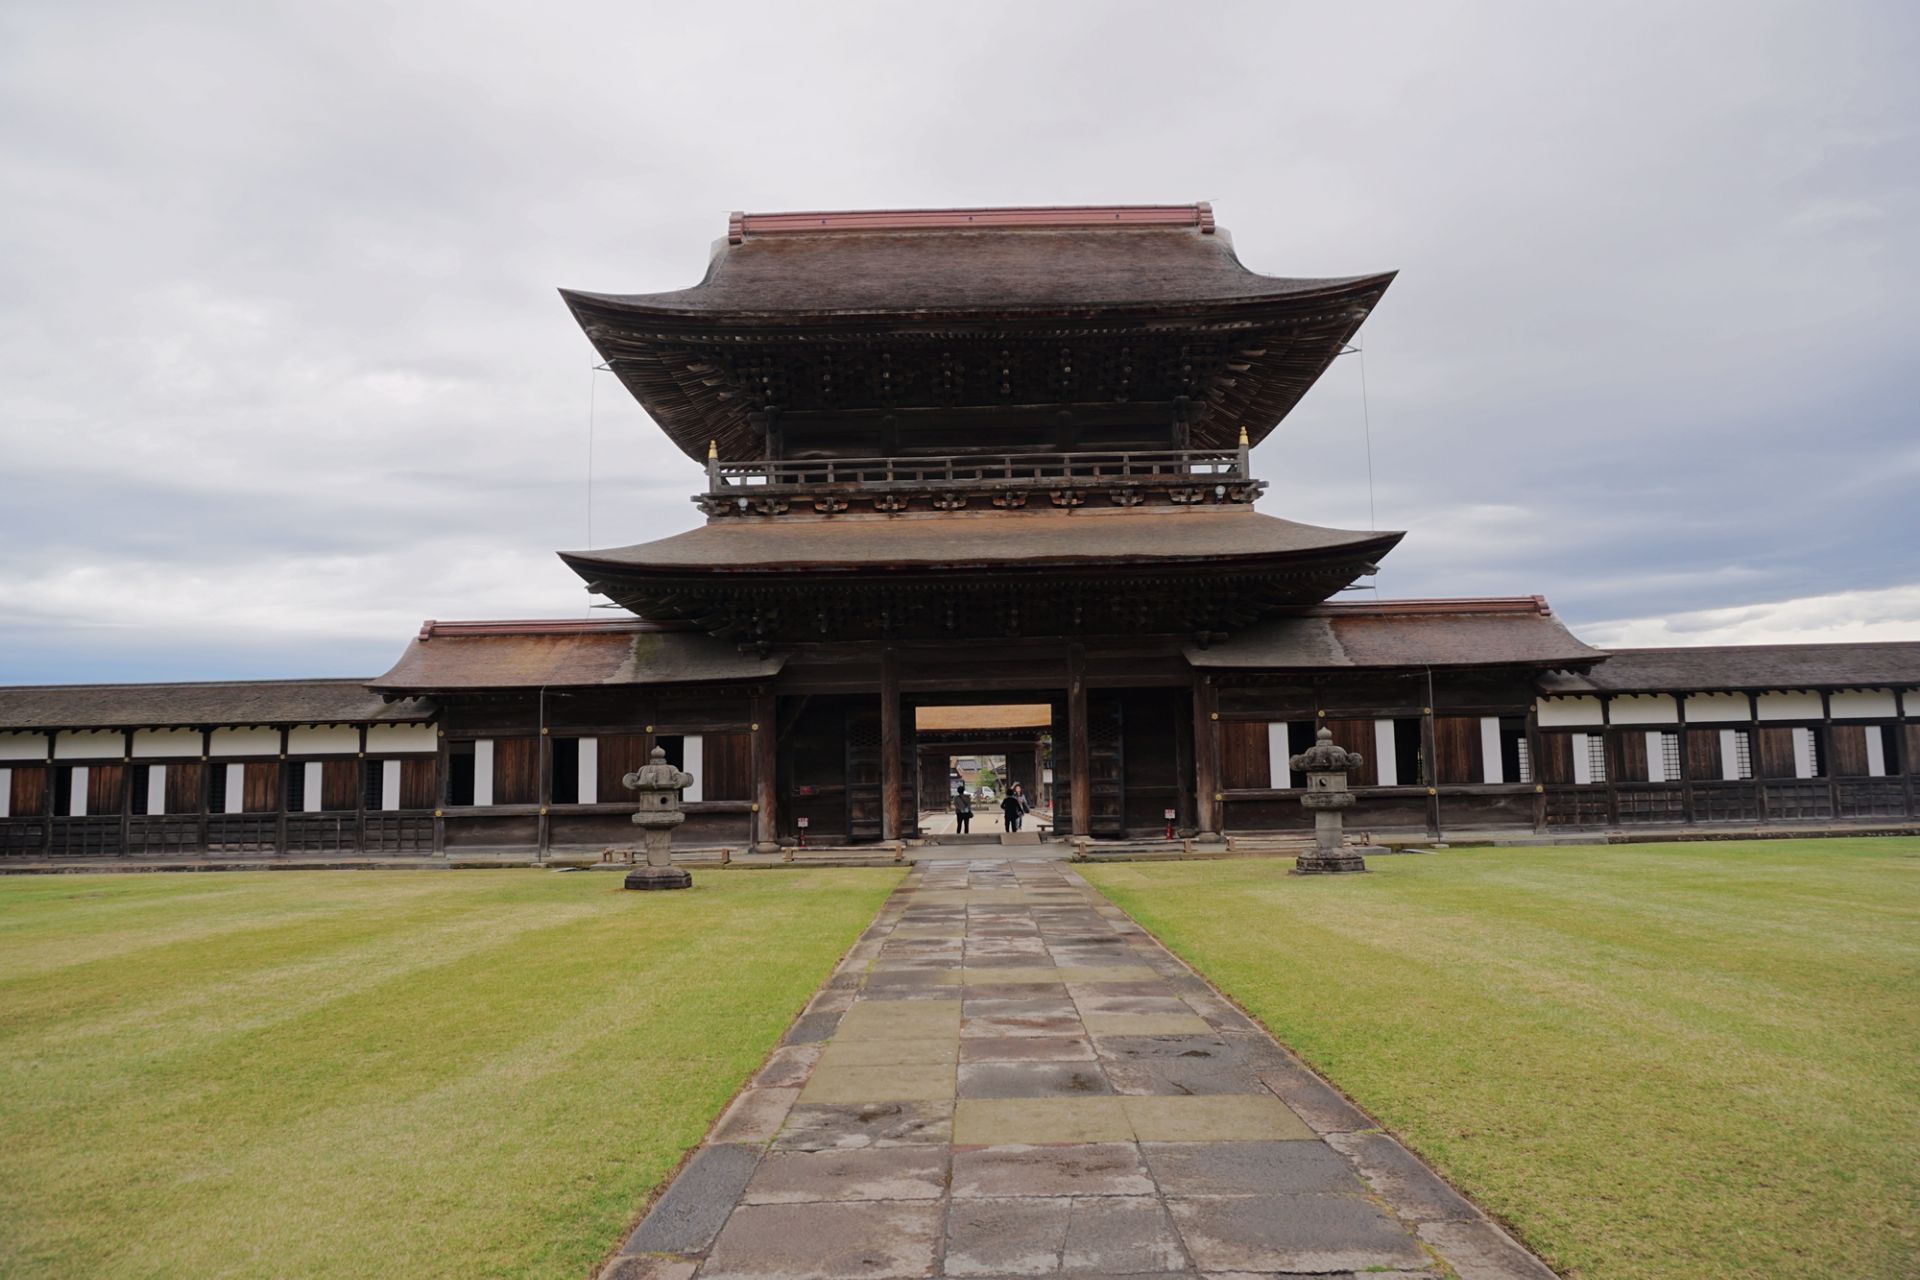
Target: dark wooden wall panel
<point>1456,741</point>
<point>105,785</point>
<point>1703,762</point>
<point>417,782</point>
<point>727,759</point>
<point>1357,735</point>
<point>1244,762</point>
<point>620,754</point>
<point>183,787</point>
<point>1554,765</point>
<point>340,784</point>
<point>1629,755</point>
<point>260,790</point>
<point>27,797</point>
<point>1773,753</point>
<point>516,770</point>
<point>1847,754</point>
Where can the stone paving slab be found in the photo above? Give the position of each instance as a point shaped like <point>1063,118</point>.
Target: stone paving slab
<point>1007,1077</point>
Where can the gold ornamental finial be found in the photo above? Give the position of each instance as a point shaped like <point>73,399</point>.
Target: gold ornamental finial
<point>713,447</point>
<point>1243,435</point>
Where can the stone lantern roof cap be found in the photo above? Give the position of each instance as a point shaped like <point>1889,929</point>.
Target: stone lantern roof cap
<point>1325,756</point>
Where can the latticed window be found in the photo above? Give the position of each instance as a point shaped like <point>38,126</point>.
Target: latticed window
<point>1524,755</point>
<point>1596,757</point>
<point>1670,757</point>
<point>1743,755</point>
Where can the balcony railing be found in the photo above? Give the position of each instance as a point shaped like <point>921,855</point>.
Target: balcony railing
<point>949,481</point>
<point>1036,470</point>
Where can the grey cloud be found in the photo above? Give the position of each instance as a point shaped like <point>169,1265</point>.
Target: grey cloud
<point>282,368</point>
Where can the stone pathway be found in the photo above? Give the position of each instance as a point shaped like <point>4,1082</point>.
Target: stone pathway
<point>1008,1077</point>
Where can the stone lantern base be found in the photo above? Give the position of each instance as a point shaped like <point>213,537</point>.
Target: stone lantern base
<point>1323,862</point>
<point>659,878</point>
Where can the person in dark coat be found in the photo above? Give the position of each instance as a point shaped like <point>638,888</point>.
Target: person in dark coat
<point>962,811</point>
<point>1013,806</point>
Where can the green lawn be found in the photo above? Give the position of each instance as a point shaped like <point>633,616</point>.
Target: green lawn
<point>392,1074</point>
<point>1653,1060</point>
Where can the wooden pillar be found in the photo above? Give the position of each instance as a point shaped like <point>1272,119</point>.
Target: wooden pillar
<point>1184,772</point>
<point>1206,758</point>
<point>360,795</point>
<point>1079,755</point>
<point>206,788</point>
<point>890,781</point>
<point>1753,758</point>
<point>126,792</point>
<point>1533,758</point>
<point>1611,755</point>
<point>440,771</point>
<point>545,774</point>
<point>280,818</point>
<point>766,826</point>
<point>1686,772</point>
<point>46,825</point>
<point>1902,756</point>
<point>1430,765</point>
<point>1823,754</point>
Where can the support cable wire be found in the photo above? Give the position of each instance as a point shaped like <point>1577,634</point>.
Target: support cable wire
<point>1366,431</point>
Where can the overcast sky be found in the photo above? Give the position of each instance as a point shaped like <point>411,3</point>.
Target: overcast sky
<point>283,371</point>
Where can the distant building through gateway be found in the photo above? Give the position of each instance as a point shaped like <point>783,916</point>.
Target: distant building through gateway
<point>977,482</point>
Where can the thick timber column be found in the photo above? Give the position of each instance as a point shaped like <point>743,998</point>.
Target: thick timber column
<point>765,731</point>
<point>890,783</point>
<point>1079,757</point>
<point>1206,758</point>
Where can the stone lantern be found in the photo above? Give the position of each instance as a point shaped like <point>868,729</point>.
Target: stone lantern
<point>1326,767</point>
<point>659,785</point>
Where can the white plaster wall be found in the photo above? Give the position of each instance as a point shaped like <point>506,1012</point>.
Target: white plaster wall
<point>1279,777</point>
<point>389,784</point>
<point>6,792</point>
<point>1803,753</point>
<point>313,771</point>
<point>29,746</point>
<point>1795,705</point>
<point>395,738</point>
<point>245,742</point>
<point>1560,712</point>
<point>1730,755</point>
<point>236,789</point>
<point>1863,704</point>
<point>90,744</point>
<point>323,740</point>
<point>1385,763</point>
<point>149,743</point>
<point>1716,708</point>
<point>693,759</point>
<point>1492,767</point>
<point>1582,766</point>
<point>1643,708</point>
<point>157,788</point>
<point>1876,753</point>
<point>483,771</point>
<point>1656,759</point>
<point>1913,704</point>
<point>589,771</point>
<point>77,806</point>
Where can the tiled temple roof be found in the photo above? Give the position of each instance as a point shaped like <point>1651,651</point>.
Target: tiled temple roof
<point>238,702</point>
<point>1404,634</point>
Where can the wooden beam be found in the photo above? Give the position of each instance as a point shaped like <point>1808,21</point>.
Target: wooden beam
<point>766,827</point>
<point>1079,754</point>
<point>890,779</point>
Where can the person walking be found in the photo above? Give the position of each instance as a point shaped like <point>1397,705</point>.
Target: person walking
<point>1013,806</point>
<point>962,811</point>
